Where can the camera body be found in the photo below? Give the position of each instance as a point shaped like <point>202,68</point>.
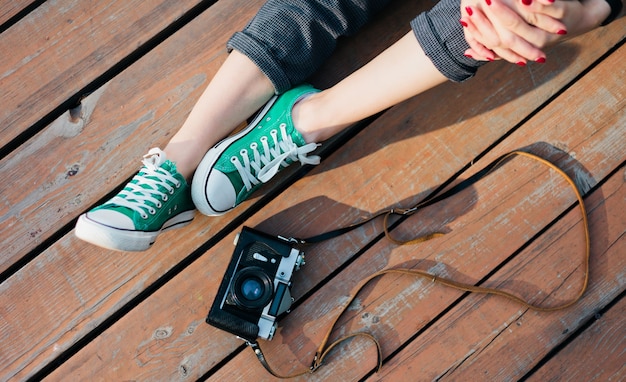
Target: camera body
<point>256,288</point>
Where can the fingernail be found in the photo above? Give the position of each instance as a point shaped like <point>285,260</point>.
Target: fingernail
<point>469,11</point>
<point>561,32</point>
<point>527,2</point>
<point>541,60</point>
<point>468,55</point>
<point>488,2</point>
<point>490,59</point>
<point>464,23</point>
<point>521,63</point>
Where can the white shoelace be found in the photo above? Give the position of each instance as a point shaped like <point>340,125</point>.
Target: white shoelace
<point>267,164</point>
<point>136,195</point>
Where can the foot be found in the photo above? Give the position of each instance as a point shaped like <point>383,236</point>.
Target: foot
<point>156,199</point>
<point>237,166</point>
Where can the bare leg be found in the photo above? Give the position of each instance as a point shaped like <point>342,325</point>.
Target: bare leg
<point>238,89</point>
<point>400,72</point>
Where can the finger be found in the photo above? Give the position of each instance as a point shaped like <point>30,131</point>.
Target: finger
<point>515,33</point>
<point>520,49</point>
<point>510,56</point>
<point>477,56</point>
<point>482,29</point>
<point>505,44</point>
<point>472,36</point>
<point>544,16</point>
<point>549,7</point>
<point>546,24</point>
<point>544,2</point>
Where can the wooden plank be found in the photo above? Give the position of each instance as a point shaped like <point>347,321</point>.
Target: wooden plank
<point>141,108</point>
<point>397,308</point>
<point>596,355</point>
<point>9,9</point>
<point>155,109</point>
<point>303,210</point>
<point>306,319</point>
<point>62,46</point>
<point>158,92</point>
<point>488,338</point>
<point>137,110</point>
<point>105,150</point>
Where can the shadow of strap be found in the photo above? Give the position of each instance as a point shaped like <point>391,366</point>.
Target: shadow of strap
<point>326,346</point>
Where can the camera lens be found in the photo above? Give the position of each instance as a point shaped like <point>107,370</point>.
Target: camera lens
<point>252,288</point>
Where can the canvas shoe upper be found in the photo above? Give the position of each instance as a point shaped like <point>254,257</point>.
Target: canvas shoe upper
<point>156,199</point>
<point>237,166</point>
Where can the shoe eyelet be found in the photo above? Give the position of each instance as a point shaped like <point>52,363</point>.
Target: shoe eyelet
<point>158,204</point>
<point>144,216</point>
<point>152,211</point>
<point>253,145</point>
<point>264,139</point>
<point>165,197</point>
<point>243,152</point>
<point>233,159</point>
<point>172,190</point>
<point>282,125</point>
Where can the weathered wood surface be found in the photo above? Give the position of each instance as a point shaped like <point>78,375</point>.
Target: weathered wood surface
<point>148,309</point>
<point>104,141</point>
<point>171,346</point>
<point>102,148</point>
<point>397,309</point>
<point>63,46</point>
<point>601,347</point>
<point>10,9</point>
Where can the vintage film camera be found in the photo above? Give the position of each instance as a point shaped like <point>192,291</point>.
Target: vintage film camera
<point>256,288</point>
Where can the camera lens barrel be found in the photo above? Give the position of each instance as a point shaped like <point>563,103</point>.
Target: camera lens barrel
<point>252,288</point>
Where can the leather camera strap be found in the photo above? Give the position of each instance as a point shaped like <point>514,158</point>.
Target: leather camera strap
<point>325,347</point>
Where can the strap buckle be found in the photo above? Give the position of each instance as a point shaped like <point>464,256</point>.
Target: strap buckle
<point>315,364</point>
<point>403,211</point>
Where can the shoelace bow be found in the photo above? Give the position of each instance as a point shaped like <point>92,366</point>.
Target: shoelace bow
<point>144,188</point>
<point>265,165</point>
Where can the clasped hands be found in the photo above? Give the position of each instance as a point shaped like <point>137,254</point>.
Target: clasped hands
<point>518,30</point>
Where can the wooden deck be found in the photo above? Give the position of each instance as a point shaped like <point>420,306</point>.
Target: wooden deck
<point>88,87</point>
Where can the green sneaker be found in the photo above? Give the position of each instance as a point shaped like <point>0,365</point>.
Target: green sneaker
<point>156,199</point>
<point>237,166</point>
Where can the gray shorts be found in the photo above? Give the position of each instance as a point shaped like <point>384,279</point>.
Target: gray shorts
<point>290,39</point>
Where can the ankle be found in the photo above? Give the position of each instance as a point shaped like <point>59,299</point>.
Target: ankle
<point>301,117</point>
<point>185,155</point>
<point>314,118</point>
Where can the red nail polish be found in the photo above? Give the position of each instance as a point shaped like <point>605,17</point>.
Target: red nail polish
<point>488,2</point>
<point>490,59</point>
<point>562,32</point>
<point>521,63</point>
<point>468,55</point>
<point>527,2</point>
<point>541,60</point>
<point>469,11</point>
<point>464,23</point>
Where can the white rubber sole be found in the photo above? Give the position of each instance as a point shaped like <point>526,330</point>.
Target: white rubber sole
<point>125,240</point>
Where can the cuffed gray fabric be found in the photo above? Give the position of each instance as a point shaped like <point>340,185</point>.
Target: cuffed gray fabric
<point>440,35</point>
<point>290,39</point>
